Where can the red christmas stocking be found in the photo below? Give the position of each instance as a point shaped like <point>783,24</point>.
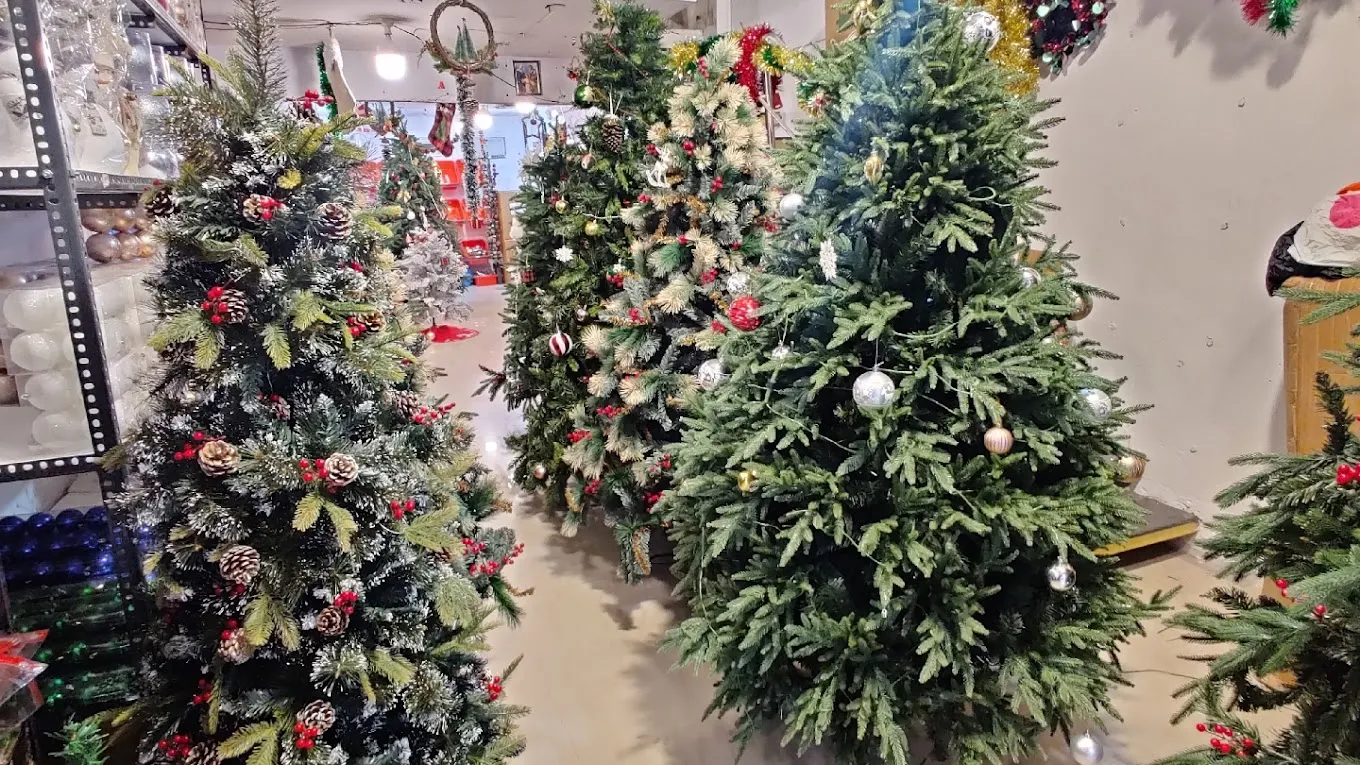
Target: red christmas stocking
<point>441,135</point>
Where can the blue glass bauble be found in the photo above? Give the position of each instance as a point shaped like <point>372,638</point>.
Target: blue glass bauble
<point>73,568</point>
<point>103,562</point>
<point>10,524</point>
<point>29,548</point>
<point>90,539</point>
<point>97,516</point>
<point>42,570</point>
<point>39,522</point>
<point>69,518</point>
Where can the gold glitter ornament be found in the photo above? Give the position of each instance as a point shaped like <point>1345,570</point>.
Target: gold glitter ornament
<point>683,54</point>
<point>746,481</point>
<point>873,167</point>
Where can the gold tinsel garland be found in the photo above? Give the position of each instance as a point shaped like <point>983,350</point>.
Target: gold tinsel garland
<point>770,58</point>
<point>1012,51</point>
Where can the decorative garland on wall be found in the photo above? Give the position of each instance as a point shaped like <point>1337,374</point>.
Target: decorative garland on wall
<point>1278,14</point>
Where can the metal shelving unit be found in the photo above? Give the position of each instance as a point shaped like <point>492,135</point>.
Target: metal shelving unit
<point>59,191</point>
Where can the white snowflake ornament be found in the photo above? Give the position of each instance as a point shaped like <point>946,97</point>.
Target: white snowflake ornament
<point>826,258</point>
<point>564,254</point>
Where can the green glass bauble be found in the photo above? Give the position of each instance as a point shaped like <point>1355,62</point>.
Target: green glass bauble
<point>582,95</point>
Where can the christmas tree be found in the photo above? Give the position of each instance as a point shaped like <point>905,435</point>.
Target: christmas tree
<point>1303,530</point>
<point>570,203</point>
<point>410,181</point>
<point>323,580</point>
<point>698,226</point>
<point>886,509</point>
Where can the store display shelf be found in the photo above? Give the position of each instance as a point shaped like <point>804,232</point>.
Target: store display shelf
<point>86,182</point>
<point>28,468</point>
<point>167,31</point>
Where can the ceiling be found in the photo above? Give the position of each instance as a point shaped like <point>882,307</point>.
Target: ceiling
<point>523,27</point>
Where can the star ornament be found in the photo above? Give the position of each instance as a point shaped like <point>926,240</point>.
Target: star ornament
<point>564,254</point>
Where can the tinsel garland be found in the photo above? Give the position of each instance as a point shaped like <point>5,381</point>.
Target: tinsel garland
<point>759,55</point>
<point>330,109</point>
<point>469,106</point>
<point>1012,51</point>
<point>1061,28</point>
<point>1278,14</point>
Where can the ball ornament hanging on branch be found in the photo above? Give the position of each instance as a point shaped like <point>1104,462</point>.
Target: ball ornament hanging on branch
<point>742,313</point>
<point>592,228</point>
<point>998,440</point>
<point>560,343</point>
<point>1128,469</point>
<point>1061,576</point>
<point>711,374</point>
<point>873,390</point>
<point>1097,402</point>
<point>790,204</point>
<point>982,28</point>
<point>1081,306</point>
<point>739,283</point>
<point>540,471</point>
<point>873,167</point>
<point>1087,749</point>
<point>465,59</point>
<point>1030,277</point>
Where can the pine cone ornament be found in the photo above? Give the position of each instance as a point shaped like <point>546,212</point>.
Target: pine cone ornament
<point>239,564</point>
<point>218,458</point>
<point>234,647</point>
<point>341,469</point>
<point>203,754</point>
<point>160,203</point>
<point>331,621</point>
<point>333,221</point>
<point>374,321</point>
<point>406,403</point>
<point>231,306</point>
<point>319,714</point>
<point>611,129</point>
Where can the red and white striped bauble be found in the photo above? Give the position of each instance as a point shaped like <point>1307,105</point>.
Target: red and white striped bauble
<point>560,343</point>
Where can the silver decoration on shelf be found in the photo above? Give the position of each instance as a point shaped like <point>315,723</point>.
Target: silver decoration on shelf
<point>711,374</point>
<point>874,390</point>
<point>1097,401</point>
<point>1061,576</point>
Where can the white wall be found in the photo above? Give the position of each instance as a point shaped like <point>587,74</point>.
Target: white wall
<point>1192,142</point>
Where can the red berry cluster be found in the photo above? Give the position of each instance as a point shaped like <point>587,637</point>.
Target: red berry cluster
<point>771,225</point>
<point>634,315</point>
<point>1346,474</point>
<point>401,507</point>
<point>356,266</point>
<point>1319,611</point>
<point>688,147</point>
<point>717,184</point>
<point>311,98</point>
<point>190,450</point>
<point>718,327</point>
<point>703,68</point>
<point>175,747</point>
<point>277,401</point>
<point>682,239</point>
<point>356,327</point>
<point>490,567</point>
<point>652,150</point>
<point>709,276</point>
<point>204,693</point>
<point>213,305</point>
<point>578,435</point>
<point>609,411</point>
<point>1242,747</point>
<point>665,462</point>
<point>493,688</point>
<point>651,499</point>
<point>267,207</point>
<point>737,245</point>
<point>593,487</point>
<point>306,736</point>
<point>231,626</point>
<point>615,279</point>
<point>429,415</point>
<point>236,590</point>
<point>345,602</point>
<point>643,199</point>
<point>312,469</point>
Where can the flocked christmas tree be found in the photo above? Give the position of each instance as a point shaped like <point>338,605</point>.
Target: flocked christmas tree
<point>422,238</point>
<point>322,578</point>
<point>1303,531</point>
<point>701,223</point>
<point>887,506</point>
<point>570,204</point>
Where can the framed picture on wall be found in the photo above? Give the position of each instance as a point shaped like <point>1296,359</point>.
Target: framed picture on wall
<point>528,78</point>
<point>495,148</point>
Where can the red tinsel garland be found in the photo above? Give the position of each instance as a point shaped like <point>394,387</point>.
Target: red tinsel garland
<point>745,71</point>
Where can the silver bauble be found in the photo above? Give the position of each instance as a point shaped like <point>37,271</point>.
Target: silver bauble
<point>1081,306</point>
<point>739,283</point>
<point>1097,401</point>
<point>1061,576</point>
<point>582,314</point>
<point>781,352</point>
<point>982,27</point>
<point>790,204</point>
<point>874,390</point>
<point>1087,749</point>
<point>540,471</point>
<point>711,374</point>
<point>1029,277</point>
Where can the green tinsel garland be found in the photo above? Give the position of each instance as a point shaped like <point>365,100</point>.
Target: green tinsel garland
<point>326,90</point>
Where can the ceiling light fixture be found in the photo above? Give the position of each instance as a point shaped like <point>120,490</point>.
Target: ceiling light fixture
<point>482,120</point>
<point>525,107</point>
<point>389,64</point>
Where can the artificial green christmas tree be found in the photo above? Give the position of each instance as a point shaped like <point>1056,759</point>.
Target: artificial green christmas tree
<point>323,578</point>
<point>1303,530</point>
<point>570,206</point>
<point>886,509</point>
<point>410,181</point>
<point>701,223</point>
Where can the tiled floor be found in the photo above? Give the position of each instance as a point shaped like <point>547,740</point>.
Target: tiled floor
<point>600,691</point>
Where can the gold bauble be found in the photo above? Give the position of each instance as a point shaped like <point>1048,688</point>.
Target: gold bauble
<point>873,167</point>
<point>998,440</point>
<point>560,205</point>
<point>1128,469</point>
<point>746,481</point>
<point>592,228</point>
<point>1081,306</point>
